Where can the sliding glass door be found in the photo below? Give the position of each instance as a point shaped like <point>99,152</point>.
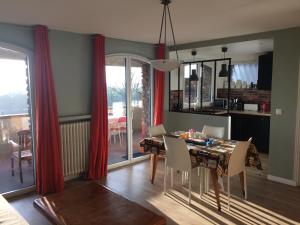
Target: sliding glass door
<point>117,109</point>
<point>140,103</point>
<point>129,106</point>
<point>16,149</point>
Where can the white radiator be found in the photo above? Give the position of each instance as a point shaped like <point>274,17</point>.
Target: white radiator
<point>75,138</point>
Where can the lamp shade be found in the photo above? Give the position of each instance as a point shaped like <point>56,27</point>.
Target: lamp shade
<point>224,72</point>
<point>194,76</point>
<point>165,65</point>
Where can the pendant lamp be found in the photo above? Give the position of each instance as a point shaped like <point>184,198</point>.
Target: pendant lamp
<point>166,65</point>
<point>224,71</point>
<point>194,76</point>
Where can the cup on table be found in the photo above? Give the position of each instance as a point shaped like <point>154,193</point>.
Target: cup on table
<point>198,135</point>
<point>192,133</point>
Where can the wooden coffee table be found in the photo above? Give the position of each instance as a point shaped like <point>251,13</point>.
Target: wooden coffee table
<point>93,203</point>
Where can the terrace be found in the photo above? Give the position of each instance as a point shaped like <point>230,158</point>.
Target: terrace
<point>9,127</point>
<point>11,124</point>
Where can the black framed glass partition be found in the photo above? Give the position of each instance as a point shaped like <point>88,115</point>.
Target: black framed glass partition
<point>193,88</point>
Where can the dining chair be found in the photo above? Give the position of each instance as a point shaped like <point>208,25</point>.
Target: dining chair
<point>157,130</point>
<point>236,165</point>
<point>211,132</point>
<point>122,127</point>
<point>21,151</point>
<point>113,130</point>
<point>177,158</point>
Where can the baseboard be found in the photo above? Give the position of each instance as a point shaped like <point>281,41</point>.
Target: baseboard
<point>20,192</point>
<point>282,180</point>
<point>72,177</point>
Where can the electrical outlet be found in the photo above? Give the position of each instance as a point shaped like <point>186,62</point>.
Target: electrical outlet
<point>278,112</point>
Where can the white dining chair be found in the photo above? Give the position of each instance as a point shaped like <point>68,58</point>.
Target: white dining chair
<point>177,158</point>
<point>236,165</point>
<point>113,131</point>
<point>211,132</point>
<point>157,130</point>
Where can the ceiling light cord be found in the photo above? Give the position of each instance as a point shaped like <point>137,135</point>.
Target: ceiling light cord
<point>166,65</point>
<point>165,7</point>
<point>164,23</point>
<point>171,24</point>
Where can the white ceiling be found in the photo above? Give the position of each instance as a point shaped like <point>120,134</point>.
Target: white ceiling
<point>139,20</point>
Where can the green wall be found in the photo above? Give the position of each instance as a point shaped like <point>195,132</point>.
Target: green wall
<point>21,36</point>
<point>185,121</point>
<point>71,55</point>
<point>113,46</point>
<point>284,94</point>
<point>71,62</point>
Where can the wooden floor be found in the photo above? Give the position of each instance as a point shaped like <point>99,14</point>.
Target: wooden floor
<point>268,202</point>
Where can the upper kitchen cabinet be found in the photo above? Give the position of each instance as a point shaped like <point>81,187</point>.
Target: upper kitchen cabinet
<point>265,64</point>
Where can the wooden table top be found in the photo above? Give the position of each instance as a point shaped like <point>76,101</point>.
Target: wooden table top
<point>8,215</point>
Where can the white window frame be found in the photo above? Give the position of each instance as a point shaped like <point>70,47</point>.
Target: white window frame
<point>28,57</point>
<point>128,58</point>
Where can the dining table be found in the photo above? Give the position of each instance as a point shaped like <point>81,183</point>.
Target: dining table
<point>210,153</point>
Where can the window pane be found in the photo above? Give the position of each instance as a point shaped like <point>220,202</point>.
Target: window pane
<point>140,103</point>
<point>245,72</point>
<point>117,116</point>
<point>15,124</point>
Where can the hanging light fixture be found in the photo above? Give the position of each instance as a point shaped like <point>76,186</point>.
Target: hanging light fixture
<point>194,76</point>
<point>166,65</point>
<point>224,71</point>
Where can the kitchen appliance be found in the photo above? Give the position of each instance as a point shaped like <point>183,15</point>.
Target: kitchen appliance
<point>236,104</point>
<point>251,107</point>
<point>265,107</point>
<point>220,103</point>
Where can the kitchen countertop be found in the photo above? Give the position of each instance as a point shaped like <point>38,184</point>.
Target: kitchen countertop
<point>244,112</point>
<point>223,112</point>
<point>247,112</point>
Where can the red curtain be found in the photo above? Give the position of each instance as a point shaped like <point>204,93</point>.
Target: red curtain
<point>99,124</point>
<point>159,83</point>
<point>49,175</point>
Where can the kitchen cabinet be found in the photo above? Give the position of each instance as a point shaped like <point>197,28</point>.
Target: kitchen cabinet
<point>265,64</point>
<point>258,127</point>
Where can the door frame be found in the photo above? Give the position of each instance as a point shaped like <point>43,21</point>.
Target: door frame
<point>297,137</point>
<point>128,58</point>
<point>29,58</point>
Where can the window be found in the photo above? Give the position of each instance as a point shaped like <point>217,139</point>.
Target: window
<point>15,122</point>
<point>193,92</point>
<point>245,72</point>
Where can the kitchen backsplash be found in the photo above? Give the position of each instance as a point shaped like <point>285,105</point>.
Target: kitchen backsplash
<point>246,95</point>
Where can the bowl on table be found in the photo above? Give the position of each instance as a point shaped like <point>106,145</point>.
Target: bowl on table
<point>178,132</point>
<point>184,135</point>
